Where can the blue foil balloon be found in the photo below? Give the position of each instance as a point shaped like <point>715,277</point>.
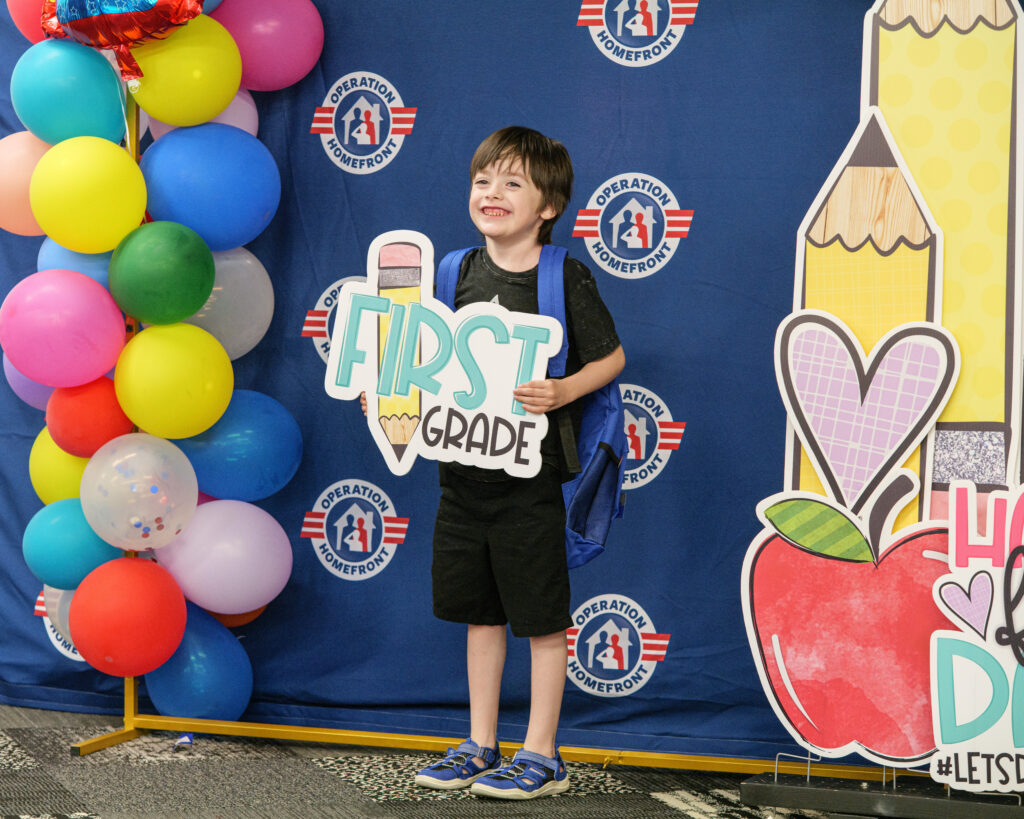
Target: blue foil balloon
<point>53,256</point>
<point>209,676</point>
<point>250,453</point>
<point>61,548</point>
<point>217,179</point>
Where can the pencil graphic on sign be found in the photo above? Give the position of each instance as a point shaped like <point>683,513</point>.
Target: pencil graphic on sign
<point>399,279</point>
<point>944,75</point>
<point>869,254</point>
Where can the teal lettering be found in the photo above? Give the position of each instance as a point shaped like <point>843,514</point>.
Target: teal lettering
<point>531,338</point>
<point>350,352</point>
<point>477,393</point>
<point>422,375</point>
<point>950,730</point>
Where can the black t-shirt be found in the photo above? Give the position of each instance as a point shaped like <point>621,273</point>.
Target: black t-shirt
<point>590,329</point>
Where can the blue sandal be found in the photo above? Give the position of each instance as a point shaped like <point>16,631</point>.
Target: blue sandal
<point>530,775</point>
<point>457,769</point>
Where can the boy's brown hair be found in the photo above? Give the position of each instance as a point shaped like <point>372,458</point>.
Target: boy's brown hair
<point>546,160</point>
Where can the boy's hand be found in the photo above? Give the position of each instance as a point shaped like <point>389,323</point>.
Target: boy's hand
<point>362,402</point>
<point>542,396</point>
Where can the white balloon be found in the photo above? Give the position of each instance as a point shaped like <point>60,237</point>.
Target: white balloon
<point>58,603</point>
<point>240,308</point>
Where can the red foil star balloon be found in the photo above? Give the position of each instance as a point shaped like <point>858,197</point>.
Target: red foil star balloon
<point>117,24</point>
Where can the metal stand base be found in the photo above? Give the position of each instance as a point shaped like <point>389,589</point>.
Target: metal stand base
<point>914,797</point>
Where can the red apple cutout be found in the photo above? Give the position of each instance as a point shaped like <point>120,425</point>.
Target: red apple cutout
<point>840,635</point>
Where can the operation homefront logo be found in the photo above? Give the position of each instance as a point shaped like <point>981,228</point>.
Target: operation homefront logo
<point>636,33</point>
<point>354,529</point>
<point>318,322</point>
<point>651,435</point>
<point>613,646</point>
<point>632,225</point>
<point>362,122</point>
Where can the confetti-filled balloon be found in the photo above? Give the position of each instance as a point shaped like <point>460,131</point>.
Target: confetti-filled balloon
<point>138,492</point>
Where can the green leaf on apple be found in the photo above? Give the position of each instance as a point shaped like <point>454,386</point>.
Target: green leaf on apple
<point>820,528</point>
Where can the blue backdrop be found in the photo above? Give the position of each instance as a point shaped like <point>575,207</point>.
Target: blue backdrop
<point>738,117</point>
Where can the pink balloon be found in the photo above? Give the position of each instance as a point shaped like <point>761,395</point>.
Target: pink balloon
<point>232,557</point>
<point>279,40</point>
<point>61,328</point>
<point>241,113</point>
<point>27,16</point>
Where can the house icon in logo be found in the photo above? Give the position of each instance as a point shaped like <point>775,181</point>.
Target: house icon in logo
<point>354,531</point>
<point>632,225</point>
<point>608,647</point>
<point>362,122</point>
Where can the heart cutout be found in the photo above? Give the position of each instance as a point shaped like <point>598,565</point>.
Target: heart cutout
<point>858,419</point>
<point>971,605</point>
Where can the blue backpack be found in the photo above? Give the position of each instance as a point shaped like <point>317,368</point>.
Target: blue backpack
<point>597,458</point>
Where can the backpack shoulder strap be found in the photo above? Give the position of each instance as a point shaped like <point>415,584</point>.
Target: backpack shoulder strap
<point>448,276</point>
<point>551,299</point>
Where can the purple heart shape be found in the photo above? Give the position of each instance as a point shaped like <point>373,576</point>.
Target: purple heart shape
<point>972,605</point>
<point>859,420</point>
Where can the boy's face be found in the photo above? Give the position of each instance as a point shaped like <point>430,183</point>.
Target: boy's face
<point>505,205</point>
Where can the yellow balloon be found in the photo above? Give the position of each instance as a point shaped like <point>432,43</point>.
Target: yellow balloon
<point>55,475</point>
<point>189,77</point>
<point>174,380</point>
<point>87,194</point>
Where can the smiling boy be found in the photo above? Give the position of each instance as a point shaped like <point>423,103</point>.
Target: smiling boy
<point>499,541</point>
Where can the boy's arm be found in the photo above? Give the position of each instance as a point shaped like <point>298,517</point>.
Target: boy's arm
<point>552,393</point>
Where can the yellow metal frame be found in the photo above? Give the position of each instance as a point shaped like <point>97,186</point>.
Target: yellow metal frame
<point>136,724</point>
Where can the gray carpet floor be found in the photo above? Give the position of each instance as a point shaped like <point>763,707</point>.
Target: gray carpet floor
<point>241,778</point>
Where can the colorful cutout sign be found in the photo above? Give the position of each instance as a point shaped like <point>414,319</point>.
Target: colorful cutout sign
<point>438,384</point>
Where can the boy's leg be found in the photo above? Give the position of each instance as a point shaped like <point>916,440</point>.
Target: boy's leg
<point>549,656</point>
<point>485,661</point>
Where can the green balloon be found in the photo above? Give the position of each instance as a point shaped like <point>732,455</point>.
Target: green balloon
<point>161,273</point>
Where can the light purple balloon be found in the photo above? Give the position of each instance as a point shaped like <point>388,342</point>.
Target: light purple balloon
<point>241,113</point>
<point>232,557</point>
<point>31,392</point>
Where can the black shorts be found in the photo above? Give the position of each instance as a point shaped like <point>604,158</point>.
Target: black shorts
<point>499,553</point>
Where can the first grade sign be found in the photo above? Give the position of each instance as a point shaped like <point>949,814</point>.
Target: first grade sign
<point>437,383</point>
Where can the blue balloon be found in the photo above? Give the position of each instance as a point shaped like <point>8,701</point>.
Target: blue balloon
<point>62,89</point>
<point>210,5</point>
<point>216,179</point>
<point>209,676</point>
<point>250,453</point>
<point>61,548</point>
<point>53,256</point>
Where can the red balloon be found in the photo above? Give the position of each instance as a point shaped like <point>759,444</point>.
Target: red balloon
<point>140,21</point>
<point>82,419</point>
<point>127,617</point>
<point>27,17</point>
